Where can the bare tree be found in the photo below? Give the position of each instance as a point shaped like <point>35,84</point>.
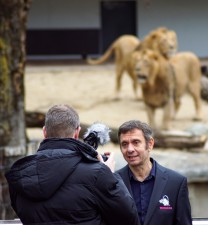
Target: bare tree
<point>13,18</point>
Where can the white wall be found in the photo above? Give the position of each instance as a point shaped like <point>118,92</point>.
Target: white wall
<point>64,14</point>
<point>188,18</point>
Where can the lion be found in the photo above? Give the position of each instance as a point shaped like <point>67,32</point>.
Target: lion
<point>162,40</point>
<point>187,69</point>
<point>156,77</point>
<point>165,81</point>
<point>121,48</point>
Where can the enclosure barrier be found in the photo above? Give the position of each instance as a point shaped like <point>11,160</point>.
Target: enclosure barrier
<point>196,221</point>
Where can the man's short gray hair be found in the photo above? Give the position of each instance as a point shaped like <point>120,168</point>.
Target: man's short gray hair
<point>61,121</point>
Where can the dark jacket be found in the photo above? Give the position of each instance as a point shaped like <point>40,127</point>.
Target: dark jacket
<point>64,183</point>
<point>169,203</point>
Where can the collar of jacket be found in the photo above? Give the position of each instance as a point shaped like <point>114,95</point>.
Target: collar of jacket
<point>71,144</point>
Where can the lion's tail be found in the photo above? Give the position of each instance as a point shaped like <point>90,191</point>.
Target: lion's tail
<point>104,57</point>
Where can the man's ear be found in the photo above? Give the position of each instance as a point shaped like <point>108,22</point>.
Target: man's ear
<point>151,144</point>
<point>44,132</point>
<point>77,131</point>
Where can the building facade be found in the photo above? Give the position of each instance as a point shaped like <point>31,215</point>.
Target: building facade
<point>84,27</point>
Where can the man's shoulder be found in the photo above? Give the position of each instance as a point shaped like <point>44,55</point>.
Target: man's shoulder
<point>92,168</point>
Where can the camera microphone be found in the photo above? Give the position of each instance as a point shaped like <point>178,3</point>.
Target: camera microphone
<point>97,134</point>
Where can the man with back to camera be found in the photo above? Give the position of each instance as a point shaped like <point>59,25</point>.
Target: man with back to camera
<point>160,194</point>
<point>65,183</point>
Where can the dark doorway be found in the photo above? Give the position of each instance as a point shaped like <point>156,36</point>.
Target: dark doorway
<point>117,18</point>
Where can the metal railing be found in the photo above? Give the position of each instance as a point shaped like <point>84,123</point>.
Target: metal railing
<point>200,221</point>
<point>196,221</point>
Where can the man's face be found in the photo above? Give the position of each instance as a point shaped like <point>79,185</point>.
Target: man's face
<point>134,149</point>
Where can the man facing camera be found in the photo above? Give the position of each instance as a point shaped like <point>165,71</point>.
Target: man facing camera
<point>160,194</point>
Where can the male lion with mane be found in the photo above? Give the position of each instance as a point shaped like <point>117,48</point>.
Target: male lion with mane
<point>165,81</point>
<point>156,77</point>
<point>161,40</point>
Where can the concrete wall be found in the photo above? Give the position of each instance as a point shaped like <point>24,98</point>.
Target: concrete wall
<point>187,18</point>
<point>198,199</point>
<point>64,14</point>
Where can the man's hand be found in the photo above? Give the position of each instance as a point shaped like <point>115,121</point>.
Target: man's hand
<point>110,162</point>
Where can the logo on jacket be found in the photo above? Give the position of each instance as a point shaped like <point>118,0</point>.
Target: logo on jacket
<point>165,201</point>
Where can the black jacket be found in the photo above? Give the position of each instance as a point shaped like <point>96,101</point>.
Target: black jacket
<point>64,183</point>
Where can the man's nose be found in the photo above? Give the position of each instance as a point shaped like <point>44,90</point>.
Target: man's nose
<point>130,147</point>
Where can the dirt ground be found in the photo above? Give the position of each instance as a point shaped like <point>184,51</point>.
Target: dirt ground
<point>90,89</point>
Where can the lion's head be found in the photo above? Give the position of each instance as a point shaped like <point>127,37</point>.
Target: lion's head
<point>161,40</point>
<point>167,43</point>
<point>146,65</point>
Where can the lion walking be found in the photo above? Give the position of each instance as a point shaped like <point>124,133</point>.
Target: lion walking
<point>120,48</point>
<point>187,69</point>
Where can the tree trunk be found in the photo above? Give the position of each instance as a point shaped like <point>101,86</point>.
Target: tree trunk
<point>13,17</point>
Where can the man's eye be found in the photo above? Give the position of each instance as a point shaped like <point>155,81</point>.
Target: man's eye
<point>124,145</point>
<point>136,143</point>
